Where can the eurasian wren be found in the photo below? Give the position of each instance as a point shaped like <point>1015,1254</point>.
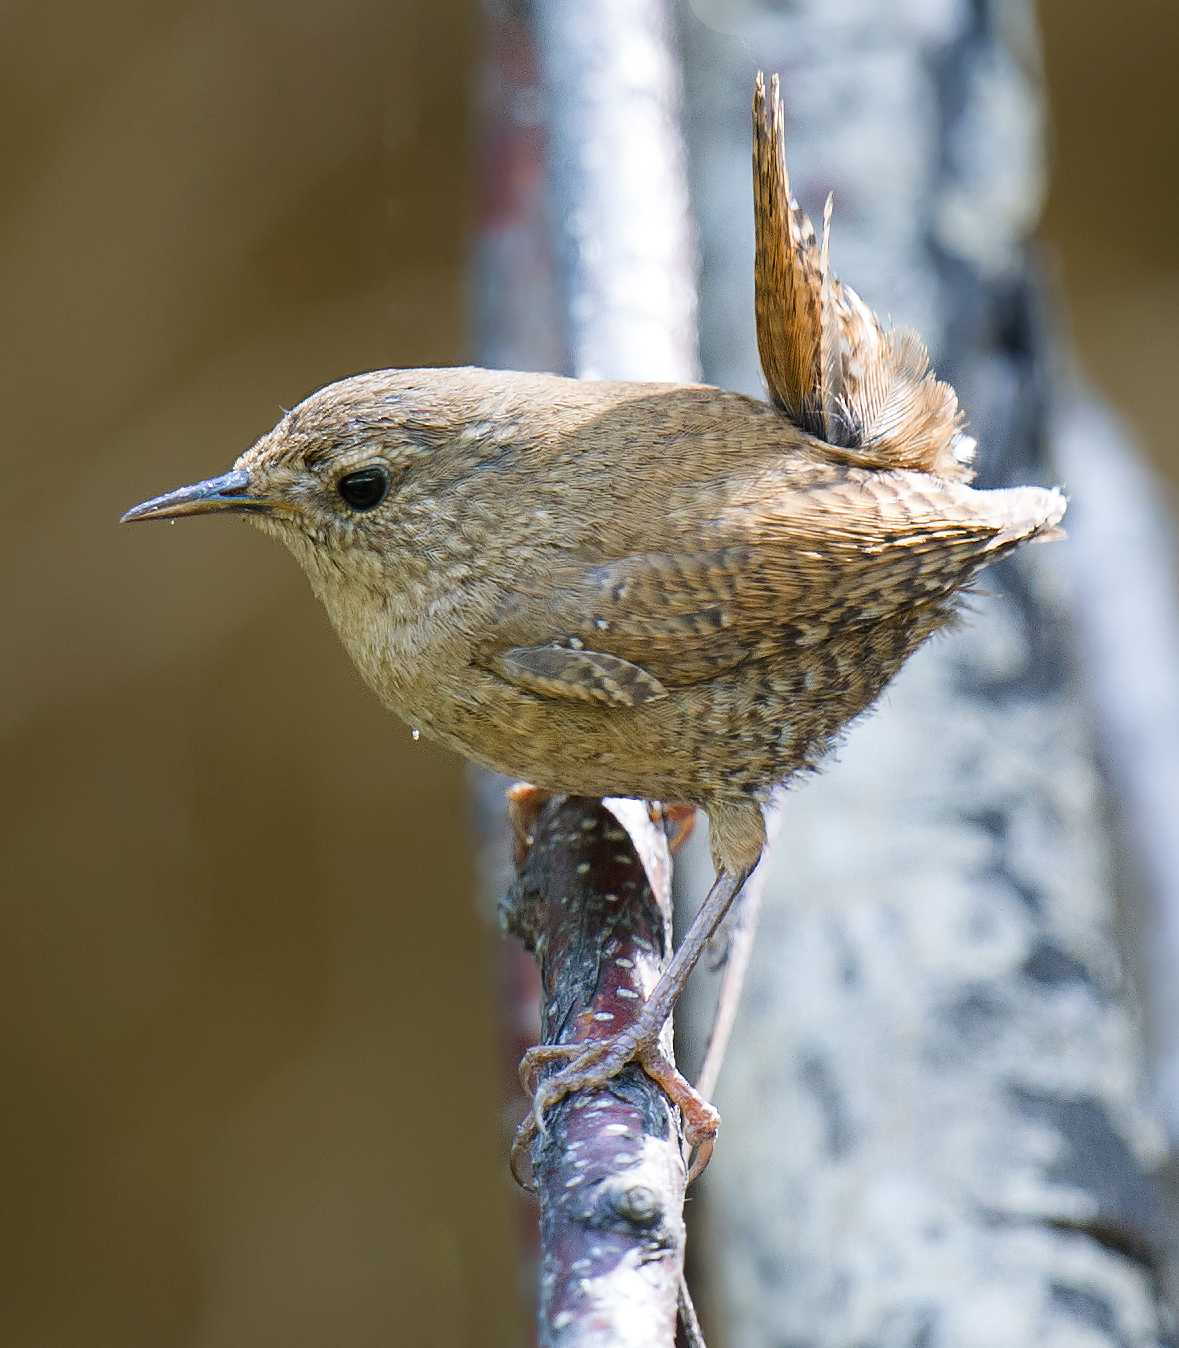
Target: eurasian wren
<point>650,590</point>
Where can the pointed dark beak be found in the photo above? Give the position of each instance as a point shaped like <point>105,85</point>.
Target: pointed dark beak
<point>228,494</point>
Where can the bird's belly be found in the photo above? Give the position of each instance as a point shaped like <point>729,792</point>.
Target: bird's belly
<point>726,737</point>
<point>738,733</point>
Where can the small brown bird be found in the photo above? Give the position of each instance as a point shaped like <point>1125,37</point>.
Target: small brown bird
<point>662,591</point>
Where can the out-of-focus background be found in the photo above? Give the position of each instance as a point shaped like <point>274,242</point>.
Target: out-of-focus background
<point>250,1074</point>
<point>249,1069</point>
<point>1112,217</point>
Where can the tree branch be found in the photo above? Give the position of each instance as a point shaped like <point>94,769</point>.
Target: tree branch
<point>592,902</point>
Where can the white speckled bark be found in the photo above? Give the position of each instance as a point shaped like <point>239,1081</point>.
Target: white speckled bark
<point>935,1069</point>
<point>1126,563</point>
<point>934,1123</point>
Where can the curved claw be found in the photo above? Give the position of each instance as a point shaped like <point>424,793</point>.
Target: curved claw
<point>701,1119</point>
<point>584,1057</point>
<point>700,1160</point>
<point>521,1151</point>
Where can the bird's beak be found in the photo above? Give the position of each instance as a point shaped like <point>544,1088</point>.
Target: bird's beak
<point>229,493</point>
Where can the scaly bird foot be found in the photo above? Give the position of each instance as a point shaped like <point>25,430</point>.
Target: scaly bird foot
<point>593,1064</point>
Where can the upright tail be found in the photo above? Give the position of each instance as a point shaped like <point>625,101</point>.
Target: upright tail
<point>828,363</point>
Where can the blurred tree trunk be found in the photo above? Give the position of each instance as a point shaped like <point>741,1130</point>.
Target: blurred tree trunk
<point>935,1126</point>
<point>584,264</point>
<point>935,1129</point>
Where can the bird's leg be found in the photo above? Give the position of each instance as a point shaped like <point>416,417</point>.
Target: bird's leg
<point>742,923</point>
<point>596,1062</point>
<point>650,1020</point>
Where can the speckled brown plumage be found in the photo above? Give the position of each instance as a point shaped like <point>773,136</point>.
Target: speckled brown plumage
<point>636,589</point>
<point>647,590</point>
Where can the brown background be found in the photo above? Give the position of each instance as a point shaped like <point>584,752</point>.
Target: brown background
<point>249,1090</point>
<point>249,1077</point>
<point>1113,211</point>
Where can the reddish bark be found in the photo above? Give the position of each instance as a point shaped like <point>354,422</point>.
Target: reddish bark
<point>592,902</point>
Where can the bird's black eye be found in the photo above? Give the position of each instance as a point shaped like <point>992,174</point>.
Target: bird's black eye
<point>365,489</point>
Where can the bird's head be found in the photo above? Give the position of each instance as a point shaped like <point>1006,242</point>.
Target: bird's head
<point>354,479</point>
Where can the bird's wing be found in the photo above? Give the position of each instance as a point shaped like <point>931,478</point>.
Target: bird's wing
<point>782,570</point>
<point>555,670</point>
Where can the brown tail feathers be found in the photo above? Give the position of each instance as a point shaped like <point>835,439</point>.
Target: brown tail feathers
<point>827,362</point>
